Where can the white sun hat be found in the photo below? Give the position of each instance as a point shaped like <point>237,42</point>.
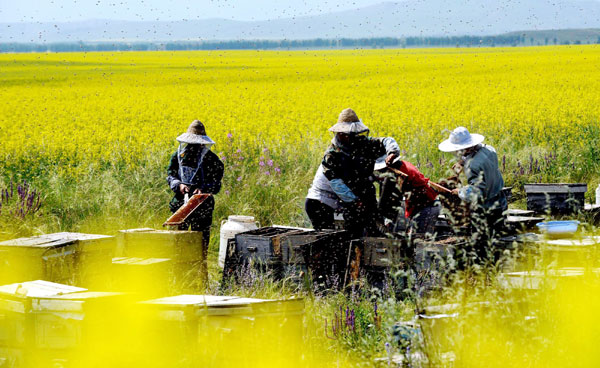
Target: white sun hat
<point>460,139</point>
<point>196,134</point>
<point>349,123</point>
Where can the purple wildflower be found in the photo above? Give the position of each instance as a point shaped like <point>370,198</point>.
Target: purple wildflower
<point>265,150</point>
<point>261,163</point>
<point>239,150</point>
<point>229,135</point>
<point>277,170</point>
<point>226,192</point>
<point>239,178</point>
<point>267,173</point>
<point>270,162</point>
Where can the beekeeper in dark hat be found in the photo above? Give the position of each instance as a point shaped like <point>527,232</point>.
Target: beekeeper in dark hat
<point>484,182</point>
<point>345,176</point>
<point>195,169</point>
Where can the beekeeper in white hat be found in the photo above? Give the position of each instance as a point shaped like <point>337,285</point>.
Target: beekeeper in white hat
<point>483,189</point>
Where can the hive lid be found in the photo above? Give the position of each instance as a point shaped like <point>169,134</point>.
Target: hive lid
<point>139,230</point>
<point>73,302</point>
<point>38,289</point>
<point>235,302</point>
<point>186,300</point>
<point>583,242</point>
<point>556,188</point>
<point>51,240</point>
<point>137,261</point>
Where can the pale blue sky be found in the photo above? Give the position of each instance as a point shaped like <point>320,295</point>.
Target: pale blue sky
<point>76,10</point>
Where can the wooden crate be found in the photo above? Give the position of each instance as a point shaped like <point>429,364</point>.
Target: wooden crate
<point>16,304</point>
<point>179,246</point>
<point>72,321</point>
<point>225,328</point>
<point>527,281</point>
<point>149,276</point>
<point>557,199</point>
<point>69,258</point>
<point>383,252</point>
<point>580,252</point>
<point>263,245</point>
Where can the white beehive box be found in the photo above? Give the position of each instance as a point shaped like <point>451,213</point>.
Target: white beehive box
<point>229,328</point>
<point>16,304</point>
<point>69,258</point>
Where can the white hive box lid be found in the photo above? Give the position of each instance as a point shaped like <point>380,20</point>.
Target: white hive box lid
<point>582,242</point>
<point>138,261</point>
<point>73,302</point>
<point>556,188</point>
<point>51,240</point>
<point>38,289</point>
<point>139,230</point>
<point>189,300</point>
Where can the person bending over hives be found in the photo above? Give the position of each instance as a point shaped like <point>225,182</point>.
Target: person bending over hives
<point>483,191</point>
<point>195,169</point>
<point>345,177</point>
<point>402,179</point>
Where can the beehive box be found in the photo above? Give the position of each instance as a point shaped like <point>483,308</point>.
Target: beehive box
<point>16,305</point>
<point>69,258</point>
<point>578,252</point>
<point>263,245</point>
<point>535,280</point>
<point>299,250</point>
<point>559,198</point>
<point>71,321</point>
<point>179,246</point>
<point>226,328</point>
<point>184,248</point>
<point>149,276</point>
<point>326,255</point>
<point>382,252</point>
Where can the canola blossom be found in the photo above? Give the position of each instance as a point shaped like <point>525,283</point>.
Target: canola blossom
<point>77,109</point>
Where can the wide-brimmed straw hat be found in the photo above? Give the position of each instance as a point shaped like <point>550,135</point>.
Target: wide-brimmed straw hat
<point>196,134</point>
<point>460,139</point>
<point>349,123</point>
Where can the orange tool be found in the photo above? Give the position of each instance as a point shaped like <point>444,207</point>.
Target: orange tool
<point>435,186</point>
<point>186,210</point>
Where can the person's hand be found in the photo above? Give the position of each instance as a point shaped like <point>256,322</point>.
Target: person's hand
<point>390,158</point>
<point>184,188</point>
<point>455,192</point>
<point>197,191</point>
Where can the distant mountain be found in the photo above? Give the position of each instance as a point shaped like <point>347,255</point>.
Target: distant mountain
<point>390,19</point>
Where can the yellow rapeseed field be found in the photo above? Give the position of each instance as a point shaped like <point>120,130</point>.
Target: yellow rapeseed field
<point>116,108</point>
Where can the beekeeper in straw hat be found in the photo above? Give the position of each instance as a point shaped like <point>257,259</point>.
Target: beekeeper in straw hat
<point>483,190</point>
<point>344,180</point>
<point>194,169</point>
